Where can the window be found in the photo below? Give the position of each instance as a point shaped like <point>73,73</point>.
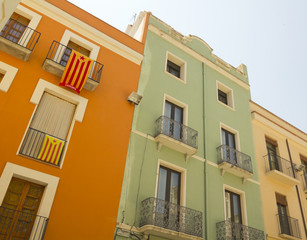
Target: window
<point>34,178</point>
<point>71,45</point>
<point>19,208</point>
<point>304,175</point>
<point>1,76</point>
<point>7,75</point>
<point>234,214</point>
<point>283,214</point>
<point>225,95</point>
<point>304,162</point>
<point>168,198</point>
<point>80,44</point>
<point>229,153</point>
<point>228,139</point>
<point>169,185</point>
<point>222,96</point>
<point>48,131</point>
<point>15,27</point>
<point>173,121</point>
<point>233,207</point>
<point>173,69</point>
<point>175,66</point>
<point>271,146</point>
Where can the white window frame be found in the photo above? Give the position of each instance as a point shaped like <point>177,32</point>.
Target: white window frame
<point>30,15</point>
<point>183,176</point>
<point>9,73</point>
<point>229,92</point>
<point>242,202</point>
<point>81,104</point>
<point>70,36</point>
<point>50,182</point>
<point>233,131</point>
<point>178,103</point>
<point>178,61</point>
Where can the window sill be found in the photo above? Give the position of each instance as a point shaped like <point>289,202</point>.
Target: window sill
<point>227,106</point>
<point>178,79</point>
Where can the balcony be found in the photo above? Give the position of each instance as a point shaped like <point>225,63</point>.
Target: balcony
<point>56,60</point>
<point>177,136</point>
<point>21,225</point>
<point>18,40</point>
<point>288,227</point>
<point>280,169</point>
<point>33,144</point>
<point>232,161</point>
<point>172,221</point>
<point>227,230</point>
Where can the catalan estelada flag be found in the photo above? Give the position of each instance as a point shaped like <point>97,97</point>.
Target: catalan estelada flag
<point>76,71</point>
<point>51,150</point>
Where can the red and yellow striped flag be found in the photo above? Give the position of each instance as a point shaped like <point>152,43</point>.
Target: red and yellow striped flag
<point>51,150</point>
<point>76,71</point>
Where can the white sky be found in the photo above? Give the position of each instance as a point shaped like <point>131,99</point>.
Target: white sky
<point>269,36</point>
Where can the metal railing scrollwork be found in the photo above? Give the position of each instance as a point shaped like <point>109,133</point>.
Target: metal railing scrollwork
<point>228,230</point>
<point>177,131</point>
<point>21,225</point>
<point>234,157</point>
<point>275,162</point>
<point>171,216</point>
<point>20,34</point>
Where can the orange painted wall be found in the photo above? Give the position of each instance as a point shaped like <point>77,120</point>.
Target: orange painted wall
<point>87,198</point>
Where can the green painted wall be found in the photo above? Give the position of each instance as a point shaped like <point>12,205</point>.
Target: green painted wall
<point>142,158</point>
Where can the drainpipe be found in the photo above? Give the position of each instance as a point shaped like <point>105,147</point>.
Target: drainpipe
<point>297,191</point>
<point>205,163</point>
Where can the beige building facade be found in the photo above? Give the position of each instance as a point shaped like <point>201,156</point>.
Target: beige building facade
<point>281,153</point>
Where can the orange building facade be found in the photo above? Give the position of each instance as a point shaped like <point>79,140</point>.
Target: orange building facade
<point>62,154</point>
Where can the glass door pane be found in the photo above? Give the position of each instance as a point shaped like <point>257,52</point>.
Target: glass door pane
<point>166,120</point>
<point>162,184</point>
<point>178,112</point>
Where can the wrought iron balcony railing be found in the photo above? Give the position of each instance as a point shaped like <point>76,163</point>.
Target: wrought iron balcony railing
<point>227,230</point>
<point>275,162</point>
<point>177,131</point>
<point>21,225</point>
<point>20,34</point>
<point>33,143</point>
<point>171,216</point>
<point>234,157</point>
<point>60,54</point>
<point>288,225</point>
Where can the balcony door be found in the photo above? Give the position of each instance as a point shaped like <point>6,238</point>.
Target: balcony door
<point>283,219</point>
<point>229,153</point>
<point>234,214</point>
<point>15,27</point>
<point>174,118</point>
<point>73,46</point>
<point>272,155</point>
<point>53,117</point>
<point>19,208</point>
<point>168,202</point>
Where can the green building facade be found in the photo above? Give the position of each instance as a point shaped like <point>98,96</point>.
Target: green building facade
<point>190,169</point>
